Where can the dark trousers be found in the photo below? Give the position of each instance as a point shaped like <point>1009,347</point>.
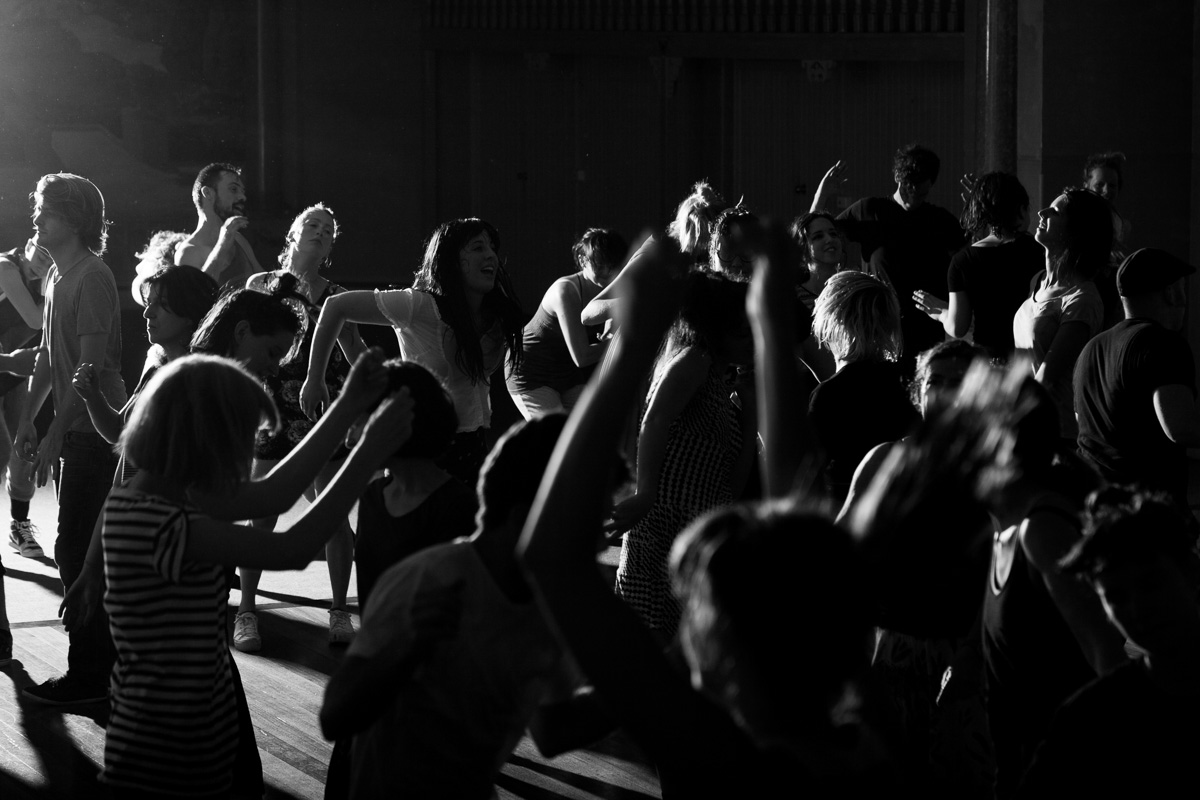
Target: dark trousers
<point>86,468</point>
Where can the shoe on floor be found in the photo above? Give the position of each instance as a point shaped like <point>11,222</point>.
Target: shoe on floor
<point>65,691</point>
<point>245,632</point>
<point>21,538</point>
<point>341,628</point>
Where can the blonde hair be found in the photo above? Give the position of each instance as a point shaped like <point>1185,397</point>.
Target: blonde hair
<point>195,422</point>
<point>692,226</point>
<point>857,317</point>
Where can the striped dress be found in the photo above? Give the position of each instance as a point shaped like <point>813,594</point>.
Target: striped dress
<point>173,726</point>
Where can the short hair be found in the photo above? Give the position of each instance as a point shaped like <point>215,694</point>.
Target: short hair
<point>734,571</point>
<point>185,291</point>
<point>857,317</point>
<point>285,257</point>
<point>951,350</point>
<point>996,203</point>
<point>208,178</point>
<point>268,313</point>
<point>1129,524</point>
<point>512,471</point>
<point>79,202</point>
<point>1113,159</point>
<point>915,163</point>
<point>195,423</point>
<point>601,249</point>
<point>1087,233</point>
<point>434,419</point>
<point>694,217</point>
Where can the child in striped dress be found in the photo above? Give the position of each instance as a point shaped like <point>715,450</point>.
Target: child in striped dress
<point>173,727</point>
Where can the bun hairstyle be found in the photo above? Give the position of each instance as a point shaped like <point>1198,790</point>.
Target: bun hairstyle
<point>694,218</point>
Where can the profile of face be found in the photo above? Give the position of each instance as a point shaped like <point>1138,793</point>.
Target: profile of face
<point>228,196</point>
<point>1150,602</point>
<point>1050,232</point>
<point>260,353</point>
<point>479,263</point>
<point>1104,182</point>
<point>941,382</point>
<point>163,326</point>
<point>913,195</point>
<point>51,230</point>
<point>313,233</point>
<point>825,245</point>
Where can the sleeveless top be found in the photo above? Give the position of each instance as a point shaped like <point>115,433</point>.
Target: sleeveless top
<point>546,360</point>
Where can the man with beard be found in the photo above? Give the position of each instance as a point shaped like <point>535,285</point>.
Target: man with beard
<point>216,246</point>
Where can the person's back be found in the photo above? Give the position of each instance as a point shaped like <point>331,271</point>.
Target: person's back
<point>997,281</point>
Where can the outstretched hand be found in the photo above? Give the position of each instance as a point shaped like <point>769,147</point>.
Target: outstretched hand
<point>654,292</point>
<point>968,182</point>
<point>834,176</point>
<point>932,305</point>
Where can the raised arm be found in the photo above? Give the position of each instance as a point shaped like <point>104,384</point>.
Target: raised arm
<point>14,288</point>
<point>834,177</point>
<point>216,542</point>
<point>565,303</point>
<point>603,307</point>
<point>357,306</point>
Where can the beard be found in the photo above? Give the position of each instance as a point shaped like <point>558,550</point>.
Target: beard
<point>225,212</point>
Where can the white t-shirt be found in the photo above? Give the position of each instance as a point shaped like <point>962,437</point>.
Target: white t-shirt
<point>427,340</point>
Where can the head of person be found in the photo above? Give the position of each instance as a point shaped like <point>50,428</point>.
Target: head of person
<point>998,205</point>
<point>195,422</point>
<point>67,207</point>
<point>312,233</point>
<point>694,219</point>
<point>176,299</point>
<point>857,318</point>
<point>1077,232</point>
<point>1139,554</point>
<point>512,473</point>
<point>1151,283</point>
<point>745,573</point>
<point>599,255</point>
<point>462,257</point>
<point>1103,173</point>
<point>821,244</point>
<point>434,419</point>
<point>737,235</point>
<point>940,372</point>
<point>915,169</point>
<point>219,188</point>
<point>261,330</point>
<point>712,317</point>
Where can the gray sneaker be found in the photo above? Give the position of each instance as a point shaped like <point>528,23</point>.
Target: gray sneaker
<point>341,628</point>
<point>21,538</point>
<point>245,632</point>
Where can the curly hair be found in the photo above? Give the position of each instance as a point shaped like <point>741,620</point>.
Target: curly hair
<point>997,204</point>
<point>915,163</point>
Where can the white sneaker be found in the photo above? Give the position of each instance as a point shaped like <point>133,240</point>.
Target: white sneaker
<point>21,538</point>
<point>245,632</point>
<point>341,627</point>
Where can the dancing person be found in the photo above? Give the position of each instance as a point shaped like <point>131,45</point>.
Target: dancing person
<point>559,351</point>
<point>81,324</point>
<point>454,657</point>
<point>459,320</point>
<point>217,245</point>
<point>259,329</point>
<point>307,250</point>
<point>1063,309</point>
<point>905,239</point>
<point>694,450</point>
<point>22,286</point>
<point>173,727</point>
<point>762,719</point>
<point>822,254</point>
<point>1135,384</point>
<point>1131,732</point>
<point>864,403</point>
<point>989,279</point>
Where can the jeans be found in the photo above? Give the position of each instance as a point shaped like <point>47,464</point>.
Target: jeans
<point>86,468</point>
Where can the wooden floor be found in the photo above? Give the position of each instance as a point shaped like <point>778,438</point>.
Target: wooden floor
<point>55,753</point>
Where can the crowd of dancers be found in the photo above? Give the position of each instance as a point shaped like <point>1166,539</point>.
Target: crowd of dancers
<point>912,516</point>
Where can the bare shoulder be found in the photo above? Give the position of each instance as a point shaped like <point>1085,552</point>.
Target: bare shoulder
<point>191,254</point>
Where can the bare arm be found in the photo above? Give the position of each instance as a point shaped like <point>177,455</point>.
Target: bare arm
<point>954,316</point>
<point>683,377</point>
<point>1064,351</point>
<point>18,294</point>
<point>864,474</point>
<point>1175,406</point>
<point>564,302</point>
<point>603,306</point>
<point>1046,537</point>
<point>216,542</point>
<point>836,176</point>
<point>106,419</point>
<point>357,306</point>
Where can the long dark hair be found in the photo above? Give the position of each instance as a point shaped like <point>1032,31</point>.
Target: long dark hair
<point>441,277</point>
<point>281,308</point>
<point>1088,231</point>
